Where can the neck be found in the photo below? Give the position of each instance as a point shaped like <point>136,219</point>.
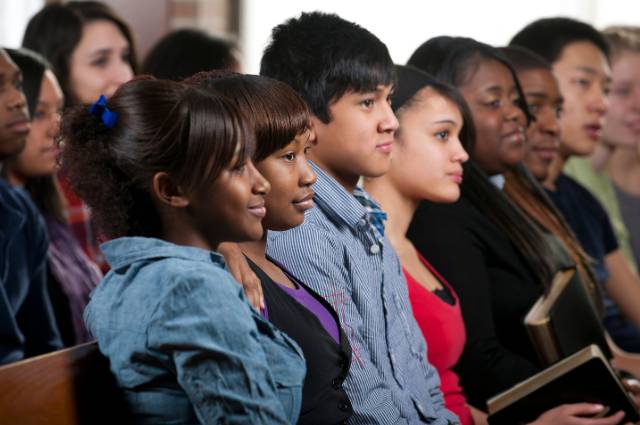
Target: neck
<point>348,181</point>
<point>15,180</point>
<point>399,208</point>
<point>600,156</point>
<point>176,229</point>
<point>256,250</point>
<point>555,169</point>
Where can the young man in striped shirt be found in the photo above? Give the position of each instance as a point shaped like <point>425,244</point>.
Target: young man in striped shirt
<point>346,76</point>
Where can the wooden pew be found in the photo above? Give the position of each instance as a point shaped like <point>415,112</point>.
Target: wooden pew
<point>71,386</point>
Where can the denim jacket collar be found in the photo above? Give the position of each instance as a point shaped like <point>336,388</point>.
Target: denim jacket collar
<point>122,252</point>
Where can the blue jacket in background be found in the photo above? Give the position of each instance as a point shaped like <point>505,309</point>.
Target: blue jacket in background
<point>27,324</point>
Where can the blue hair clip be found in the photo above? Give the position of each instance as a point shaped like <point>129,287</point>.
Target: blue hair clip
<point>99,109</point>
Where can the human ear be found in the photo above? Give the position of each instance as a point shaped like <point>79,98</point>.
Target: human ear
<point>167,192</point>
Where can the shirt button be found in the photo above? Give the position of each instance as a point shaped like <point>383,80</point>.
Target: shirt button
<point>336,384</point>
<point>362,222</point>
<point>374,249</point>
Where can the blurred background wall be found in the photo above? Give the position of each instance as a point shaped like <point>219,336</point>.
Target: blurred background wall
<point>401,24</point>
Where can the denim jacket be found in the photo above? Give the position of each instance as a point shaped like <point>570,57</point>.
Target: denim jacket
<point>184,344</point>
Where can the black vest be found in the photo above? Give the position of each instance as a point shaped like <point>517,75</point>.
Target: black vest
<point>324,401</point>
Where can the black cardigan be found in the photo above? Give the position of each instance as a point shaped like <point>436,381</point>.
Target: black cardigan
<point>496,289</point>
<point>324,400</point>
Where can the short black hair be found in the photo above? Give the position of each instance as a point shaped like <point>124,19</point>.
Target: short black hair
<point>549,36</point>
<point>524,59</point>
<point>322,56</point>
<point>183,53</point>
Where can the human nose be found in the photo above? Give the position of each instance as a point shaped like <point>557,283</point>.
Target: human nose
<point>307,175</point>
<point>548,123</point>
<point>17,99</point>
<point>514,113</point>
<point>121,73</point>
<point>388,122</point>
<point>259,185</point>
<point>54,124</point>
<point>599,102</point>
<point>459,152</point>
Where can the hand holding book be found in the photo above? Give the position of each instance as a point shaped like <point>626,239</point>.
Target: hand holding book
<point>578,414</point>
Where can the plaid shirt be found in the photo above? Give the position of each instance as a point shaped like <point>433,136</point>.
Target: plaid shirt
<point>337,252</point>
<point>82,227</point>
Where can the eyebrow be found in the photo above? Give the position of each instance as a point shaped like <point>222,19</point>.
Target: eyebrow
<point>445,121</point>
<point>543,96</point>
<point>493,89</point>
<point>592,71</point>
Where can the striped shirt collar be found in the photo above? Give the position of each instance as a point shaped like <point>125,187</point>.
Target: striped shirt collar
<point>335,201</point>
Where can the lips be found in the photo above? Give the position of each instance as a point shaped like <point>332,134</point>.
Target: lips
<point>385,146</point>
<point>19,124</point>
<point>633,126</point>
<point>594,131</point>
<point>515,137</point>
<point>304,202</point>
<point>258,209</point>
<point>456,176</point>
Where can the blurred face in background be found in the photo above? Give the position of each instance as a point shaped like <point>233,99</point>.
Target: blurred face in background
<point>622,127</point>
<point>39,156</point>
<point>544,101</point>
<point>584,77</point>
<point>14,115</point>
<point>100,62</point>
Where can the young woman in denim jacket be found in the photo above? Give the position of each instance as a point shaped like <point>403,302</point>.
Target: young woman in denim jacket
<point>167,170</point>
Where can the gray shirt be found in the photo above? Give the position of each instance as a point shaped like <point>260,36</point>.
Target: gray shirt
<point>630,211</point>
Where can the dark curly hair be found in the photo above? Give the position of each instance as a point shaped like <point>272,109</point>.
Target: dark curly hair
<point>274,110</point>
<point>162,126</point>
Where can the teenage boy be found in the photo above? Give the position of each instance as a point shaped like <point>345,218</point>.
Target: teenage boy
<point>346,76</point>
<point>27,325</point>
<point>579,57</point>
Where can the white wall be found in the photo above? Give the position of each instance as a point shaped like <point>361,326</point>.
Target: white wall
<point>14,15</point>
<point>404,24</point>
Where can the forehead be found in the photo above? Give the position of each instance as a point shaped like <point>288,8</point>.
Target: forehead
<point>539,80</point>
<point>101,34</point>
<point>582,55</point>
<point>489,74</point>
<point>628,64</point>
<point>436,106</point>
<point>7,67</point>
<point>50,90</point>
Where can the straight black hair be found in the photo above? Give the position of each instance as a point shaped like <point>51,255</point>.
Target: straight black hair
<point>549,36</point>
<point>183,53</point>
<point>322,57</point>
<point>274,111</point>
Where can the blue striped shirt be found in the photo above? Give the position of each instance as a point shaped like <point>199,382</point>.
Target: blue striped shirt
<point>338,255</point>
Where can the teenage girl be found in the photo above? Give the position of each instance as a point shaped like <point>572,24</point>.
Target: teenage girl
<point>167,170</point>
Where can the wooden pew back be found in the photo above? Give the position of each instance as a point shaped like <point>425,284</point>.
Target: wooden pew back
<point>71,386</point>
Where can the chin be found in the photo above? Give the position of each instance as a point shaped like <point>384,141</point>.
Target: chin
<point>582,147</point>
